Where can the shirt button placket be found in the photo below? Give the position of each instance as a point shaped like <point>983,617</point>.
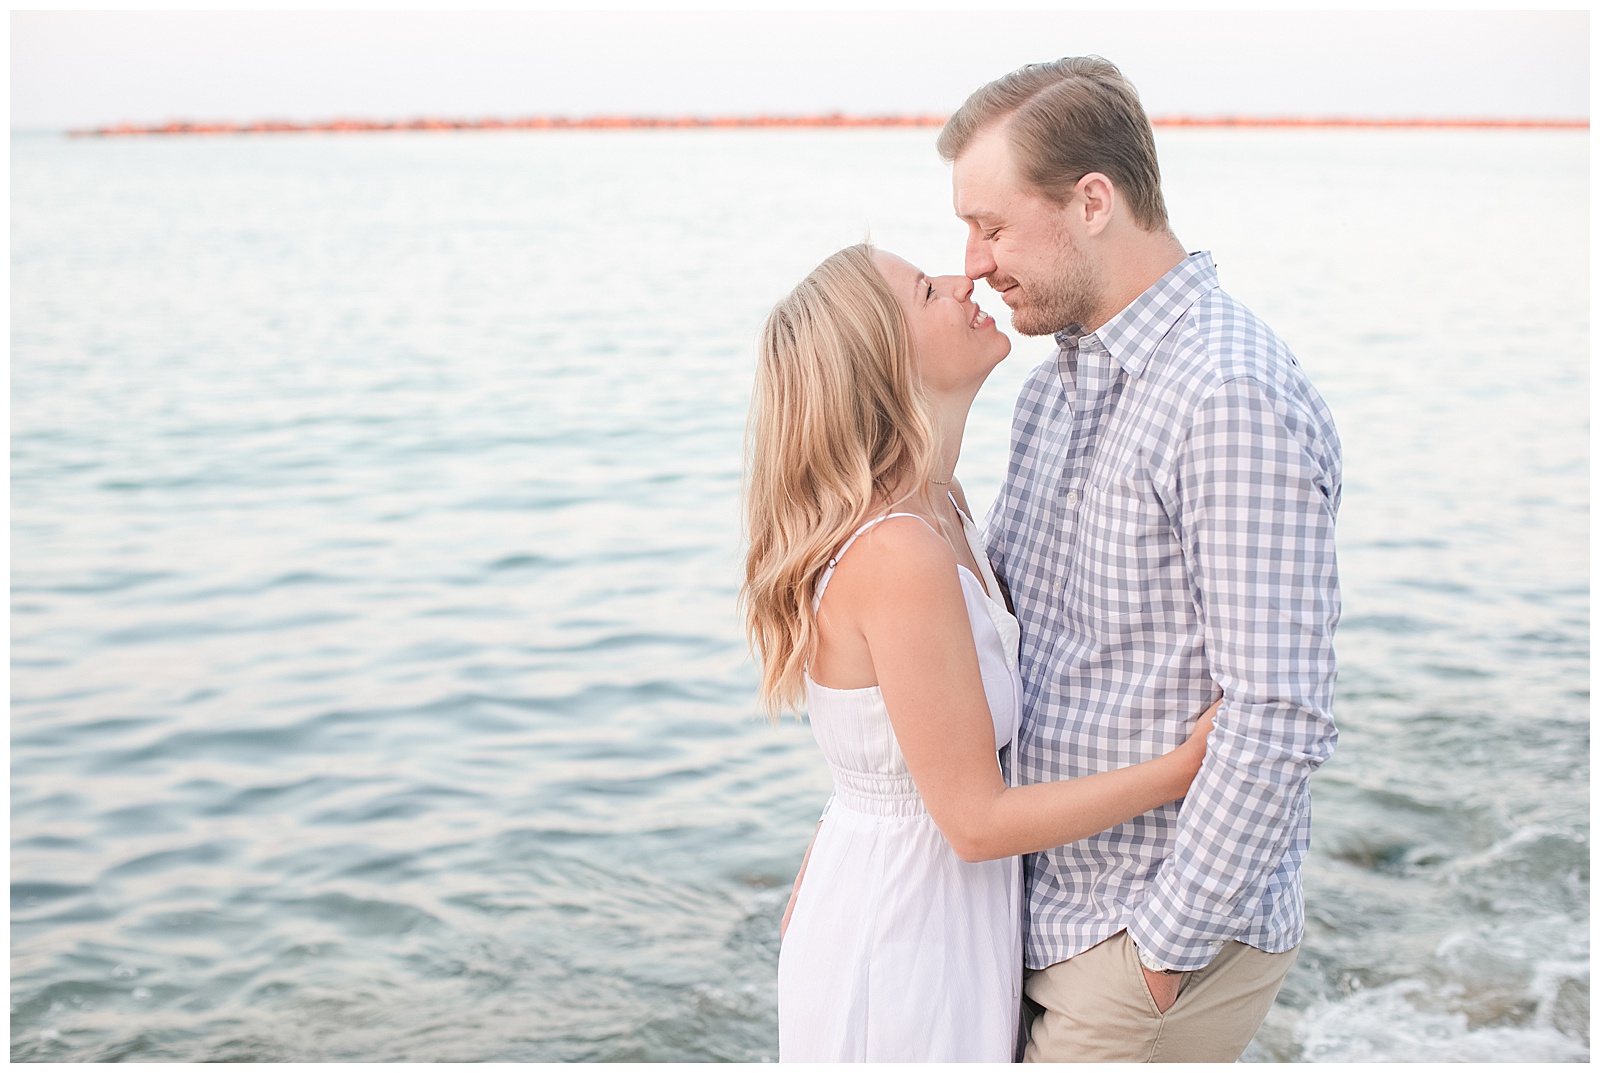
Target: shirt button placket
<point>1069,504</point>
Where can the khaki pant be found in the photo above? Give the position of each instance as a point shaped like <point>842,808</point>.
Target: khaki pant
<point>1096,1007</point>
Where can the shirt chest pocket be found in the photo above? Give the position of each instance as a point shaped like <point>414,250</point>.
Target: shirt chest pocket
<point>1127,553</point>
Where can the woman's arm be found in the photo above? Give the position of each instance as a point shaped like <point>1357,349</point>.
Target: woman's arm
<point>905,596</point>
<point>788,910</point>
<point>1026,819</point>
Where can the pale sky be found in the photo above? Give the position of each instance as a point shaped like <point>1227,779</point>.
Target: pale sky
<point>87,68</point>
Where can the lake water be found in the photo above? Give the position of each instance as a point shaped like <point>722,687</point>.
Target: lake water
<point>377,687</point>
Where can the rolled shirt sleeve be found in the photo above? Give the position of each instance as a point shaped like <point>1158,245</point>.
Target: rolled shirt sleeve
<point>1256,496</point>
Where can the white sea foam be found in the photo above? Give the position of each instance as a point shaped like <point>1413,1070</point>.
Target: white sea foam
<point>1498,1000</point>
<point>1400,1022</point>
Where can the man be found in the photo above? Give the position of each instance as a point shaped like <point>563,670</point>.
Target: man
<point>1165,531</point>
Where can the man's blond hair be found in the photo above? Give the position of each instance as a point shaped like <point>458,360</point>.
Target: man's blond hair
<point>1065,119</point>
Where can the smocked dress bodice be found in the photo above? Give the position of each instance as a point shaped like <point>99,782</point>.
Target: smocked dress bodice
<point>852,726</point>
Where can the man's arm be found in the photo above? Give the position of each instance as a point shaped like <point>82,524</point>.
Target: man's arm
<point>1254,512</point>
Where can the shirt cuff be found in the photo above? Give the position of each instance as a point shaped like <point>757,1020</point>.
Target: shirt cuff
<point>1148,961</point>
<point>1191,958</point>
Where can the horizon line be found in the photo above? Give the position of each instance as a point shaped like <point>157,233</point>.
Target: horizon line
<point>828,120</point>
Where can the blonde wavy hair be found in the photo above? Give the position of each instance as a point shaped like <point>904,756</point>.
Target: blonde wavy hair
<point>837,420</point>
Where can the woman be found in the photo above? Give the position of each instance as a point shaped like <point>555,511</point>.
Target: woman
<point>868,595</point>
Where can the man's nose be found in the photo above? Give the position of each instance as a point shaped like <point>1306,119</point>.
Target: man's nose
<point>978,262</point>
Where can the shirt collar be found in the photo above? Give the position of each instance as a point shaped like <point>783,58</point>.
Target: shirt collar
<point>1131,336</point>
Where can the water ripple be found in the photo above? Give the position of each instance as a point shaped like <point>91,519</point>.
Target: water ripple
<point>377,687</point>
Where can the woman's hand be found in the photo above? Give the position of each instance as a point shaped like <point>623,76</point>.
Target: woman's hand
<point>788,910</point>
<point>1189,755</point>
<point>794,893</point>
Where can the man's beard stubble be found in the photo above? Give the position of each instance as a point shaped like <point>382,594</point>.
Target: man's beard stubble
<point>1073,296</point>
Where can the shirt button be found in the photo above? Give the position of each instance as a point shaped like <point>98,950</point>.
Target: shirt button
<point>1072,499</point>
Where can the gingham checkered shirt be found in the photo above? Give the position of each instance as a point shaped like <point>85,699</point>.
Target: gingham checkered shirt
<point>1165,528</point>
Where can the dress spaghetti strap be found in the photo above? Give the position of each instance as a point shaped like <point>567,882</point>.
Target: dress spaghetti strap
<point>827,575</point>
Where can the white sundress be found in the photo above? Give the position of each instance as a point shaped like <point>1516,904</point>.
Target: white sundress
<point>898,950</point>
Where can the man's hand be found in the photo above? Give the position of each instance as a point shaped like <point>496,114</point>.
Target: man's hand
<point>1163,987</point>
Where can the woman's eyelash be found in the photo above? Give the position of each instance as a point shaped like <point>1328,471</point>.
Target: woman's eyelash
<point>930,292</point>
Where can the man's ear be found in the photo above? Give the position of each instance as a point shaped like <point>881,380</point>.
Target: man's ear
<point>1097,200</point>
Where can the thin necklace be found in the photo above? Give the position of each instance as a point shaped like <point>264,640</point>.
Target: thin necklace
<point>933,480</point>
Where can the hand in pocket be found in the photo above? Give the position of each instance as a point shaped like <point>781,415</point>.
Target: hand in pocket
<point>1163,987</point>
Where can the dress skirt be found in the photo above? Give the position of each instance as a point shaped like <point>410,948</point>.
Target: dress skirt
<point>898,950</point>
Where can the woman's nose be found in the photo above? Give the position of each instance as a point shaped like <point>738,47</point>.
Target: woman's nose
<point>959,287</point>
